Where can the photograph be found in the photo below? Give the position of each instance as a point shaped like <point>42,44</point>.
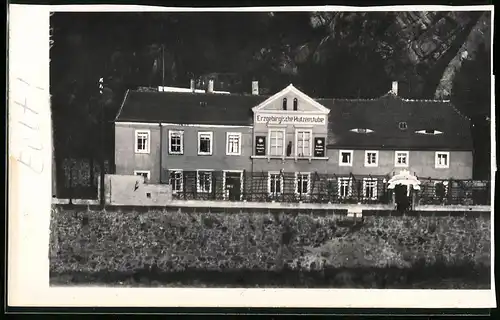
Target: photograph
<point>271,149</point>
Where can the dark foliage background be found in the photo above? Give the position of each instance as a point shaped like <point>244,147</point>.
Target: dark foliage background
<point>326,54</point>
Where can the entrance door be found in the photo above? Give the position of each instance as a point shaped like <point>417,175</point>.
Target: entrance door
<point>233,186</point>
<point>401,197</point>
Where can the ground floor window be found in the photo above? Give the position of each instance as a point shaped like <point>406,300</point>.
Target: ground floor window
<point>345,186</point>
<point>204,179</point>
<point>275,183</point>
<point>143,173</point>
<point>175,180</point>
<point>302,183</point>
<point>370,188</point>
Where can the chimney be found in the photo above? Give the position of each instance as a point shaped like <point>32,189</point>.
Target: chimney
<point>255,88</point>
<point>395,88</point>
<point>192,86</point>
<point>210,88</point>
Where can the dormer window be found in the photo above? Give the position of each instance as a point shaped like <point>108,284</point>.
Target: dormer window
<point>429,132</point>
<point>403,125</point>
<point>284,103</point>
<point>295,104</point>
<point>362,130</point>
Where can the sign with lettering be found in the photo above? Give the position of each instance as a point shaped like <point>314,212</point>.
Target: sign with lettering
<point>319,147</point>
<point>291,119</point>
<point>260,145</point>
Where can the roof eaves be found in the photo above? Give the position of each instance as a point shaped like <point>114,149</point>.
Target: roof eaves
<point>121,107</point>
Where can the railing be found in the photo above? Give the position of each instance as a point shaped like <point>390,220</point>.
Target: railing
<point>325,188</point>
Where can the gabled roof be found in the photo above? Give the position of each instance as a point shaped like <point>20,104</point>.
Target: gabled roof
<point>188,108</point>
<point>291,89</point>
<point>382,115</point>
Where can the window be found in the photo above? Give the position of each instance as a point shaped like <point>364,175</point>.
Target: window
<point>295,104</point>
<point>429,132</point>
<point>370,188</point>
<point>361,130</point>
<point>304,148</point>
<point>142,173</point>
<point>205,142</point>
<point>175,180</point>
<point>302,183</point>
<point>345,158</point>
<point>142,141</point>
<point>401,159</point>
<point>176,142</point>
<point>204,181</point>
<point>442,159</point>
<point>371,158</point>
<point>277,142</point>
<point>233,143</point>
<point>345,185</point>
<point>275,183</point>
<point>284,103</point>
<point>403,125</point>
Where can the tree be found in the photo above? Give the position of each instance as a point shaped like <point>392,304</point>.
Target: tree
<point>471,94</point>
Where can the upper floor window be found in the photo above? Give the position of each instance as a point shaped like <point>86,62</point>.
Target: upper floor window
<point>176,142</point>
<point>295,104</point>
<point>205,143</point>
<point>403,125</point>
<point>284,103</point>
<point>142,143</point>
<point>277,142</point>
<point>442,159</point>
<point>303,144</point>
<point>345,157</point>
<point>371,158</point>
<point>233,143</point>
<point>401,159</point>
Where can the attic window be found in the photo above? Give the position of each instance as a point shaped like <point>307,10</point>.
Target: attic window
<point>203,103</point>
<point>362,130</point>
<point>429,132</point>
<point>403,125</point>
<point>284,103</point>
<point>295,104</point>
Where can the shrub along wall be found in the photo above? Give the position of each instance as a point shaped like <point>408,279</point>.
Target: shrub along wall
<point>96,241</point>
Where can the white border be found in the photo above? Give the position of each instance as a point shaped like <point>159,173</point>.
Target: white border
<point>341,164</point>
<point>237,134</point>
<point>439,166</point>
<point>399,165</point>
<point>29,221</point>
<point>211,134</point>
<point>371,165</point>
<point>148,141</point>
<point>170,133</point>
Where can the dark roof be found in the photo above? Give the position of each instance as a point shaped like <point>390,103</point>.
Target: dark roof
<point>382,115</point>
<point>186,108</point>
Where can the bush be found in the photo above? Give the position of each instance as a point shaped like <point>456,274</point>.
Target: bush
<point>104,241</point>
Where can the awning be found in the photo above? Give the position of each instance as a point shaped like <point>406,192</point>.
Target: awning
<point>404,177</point>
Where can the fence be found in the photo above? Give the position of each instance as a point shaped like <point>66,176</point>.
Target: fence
<point>317,188</point>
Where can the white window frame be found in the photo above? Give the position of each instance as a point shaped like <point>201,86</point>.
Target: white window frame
<point>139,172</point>
<point>209,134</point>
<point>401,165</point>
<point>270,142</point>
<point>148,141</point>
<point>340,158</point>
<point>349,187</point>
<point>309,131</point>
<point>224,174</point>
<point>375,193</point>
<point>436,158</point>
<point>366,158</point>
<point>228,151</point>
<point>269,174</point>
<point>170,171</point>
<point>170,134</point>
<point>198,185</point>
<point>296,183</point>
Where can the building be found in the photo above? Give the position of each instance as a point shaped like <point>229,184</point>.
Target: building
<point>203,143</point>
